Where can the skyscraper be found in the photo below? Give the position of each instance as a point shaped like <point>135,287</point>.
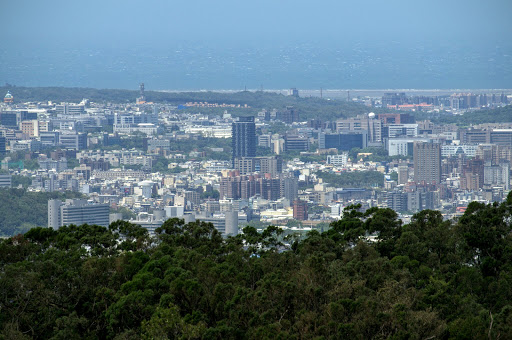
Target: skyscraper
<point>2,147</point>
<point>427,162</point>
<point>243,135</point>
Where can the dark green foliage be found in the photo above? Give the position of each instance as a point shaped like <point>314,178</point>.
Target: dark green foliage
<point>211,194</point>
<point>367,277</point>
<point>21,210</point>
<point>18,180</point>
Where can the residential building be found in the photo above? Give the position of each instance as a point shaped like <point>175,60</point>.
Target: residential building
<point>427,162</point>
<point>243,134</point>
<point>300,210</point>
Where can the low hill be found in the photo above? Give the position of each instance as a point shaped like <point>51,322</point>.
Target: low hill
<point>310,107</point>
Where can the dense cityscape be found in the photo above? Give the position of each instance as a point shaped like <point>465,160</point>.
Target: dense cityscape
<point>146,162</point>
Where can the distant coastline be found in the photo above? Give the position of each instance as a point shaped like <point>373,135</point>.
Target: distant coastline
<point>344,93</point>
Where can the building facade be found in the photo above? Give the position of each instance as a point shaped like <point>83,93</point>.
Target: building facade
<point>77,212</point>
<point>427,162</point>
<point>243,134</point>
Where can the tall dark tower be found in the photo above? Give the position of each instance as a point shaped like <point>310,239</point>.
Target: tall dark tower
<point>141,86</point>
<point>142,98</point>
<point>243,134</point>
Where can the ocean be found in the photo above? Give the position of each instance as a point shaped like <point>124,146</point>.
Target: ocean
<point>185,67</point>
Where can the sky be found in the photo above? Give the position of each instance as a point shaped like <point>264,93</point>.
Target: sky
<point>30,26</point>
<point>226,21</point>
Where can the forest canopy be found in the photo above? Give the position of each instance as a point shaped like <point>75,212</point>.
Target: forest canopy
<point>366,277</point>
<point>21,210</point>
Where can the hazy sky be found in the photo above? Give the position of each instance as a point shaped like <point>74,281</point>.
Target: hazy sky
<point>93,22</point>
<point>196,44</point>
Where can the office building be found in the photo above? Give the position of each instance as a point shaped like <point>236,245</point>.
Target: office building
<point>265,141</point>
<point>243,134</point>
<point>76,141</point>
<point>2,147</point>
<point>5,181</point>
<point>50,138</point>
<point>344,141</point>
<point>338,160</point>
<point>368,123</point>
<point>69,109</point>
<point>9,119</point>
<point>27,115</point>
<point>296,143</point>
<point>454,150</point>
<point>427,162</point>
<point>300,210</point>
<point>77,212</point>
<point>402,130</point>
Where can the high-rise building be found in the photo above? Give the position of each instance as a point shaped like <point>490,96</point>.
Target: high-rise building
<point>290,188</point>
<point>142,98</point>
<point>397,200</point>
<point>497,174</point>
<point>403,174</point>
<point>427,162</point>
<point>2,147</point>
<point>243,135</point>
<point>300,210</point>
<point>76,211</point>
